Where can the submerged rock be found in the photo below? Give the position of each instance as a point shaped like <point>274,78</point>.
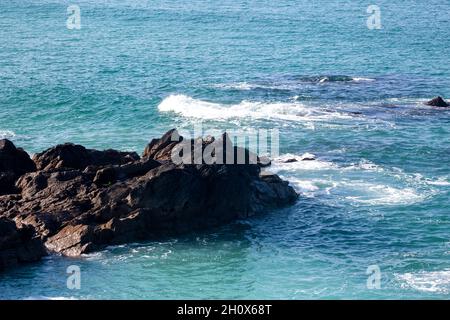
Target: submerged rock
<point>437,102</point>
<point>81,200</point>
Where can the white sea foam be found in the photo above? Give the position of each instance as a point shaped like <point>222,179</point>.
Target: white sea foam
<point>280,163</point>
<point>292,111</point>
<point>380,194</point>
<point>362,79</point>
<point>442,181</point>
<point>318,177</point>
<point>433,282</point>
<point>364,165</point>
<point>93,256</point>
<point>312,188</point>
<point>325,79</point>
<point>307,187</point>
<point>7,134</point>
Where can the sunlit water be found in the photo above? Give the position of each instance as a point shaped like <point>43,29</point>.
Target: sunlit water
<point>378,193</point>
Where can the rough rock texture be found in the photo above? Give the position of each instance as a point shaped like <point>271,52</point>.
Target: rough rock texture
<point>81,200</point>
<point>14,162</point>
<point>78,157</point>
<point>438,102</point>
<point>18,245</point>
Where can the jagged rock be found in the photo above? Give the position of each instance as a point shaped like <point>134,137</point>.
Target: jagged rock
<point>72,156</point>
<point>14,162</point>
<point>82,200</point>
<point>18,245</point>
<point>105,176</point>
<point>437,102</point>
<point>160,149</point>
<point>14,159</point>
<point>7,180</point>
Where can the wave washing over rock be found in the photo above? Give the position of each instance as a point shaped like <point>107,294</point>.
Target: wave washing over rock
<point>72,200</point>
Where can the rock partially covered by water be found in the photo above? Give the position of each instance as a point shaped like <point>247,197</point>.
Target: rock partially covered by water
<point>14,162</point>
<point>18,245</point>
<point>81,200</point>
<point>438,102</point>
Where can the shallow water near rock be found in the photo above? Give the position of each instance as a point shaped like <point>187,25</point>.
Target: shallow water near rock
<point>377,193</point>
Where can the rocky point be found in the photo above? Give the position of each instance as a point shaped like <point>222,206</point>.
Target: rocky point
<point>72,200</point>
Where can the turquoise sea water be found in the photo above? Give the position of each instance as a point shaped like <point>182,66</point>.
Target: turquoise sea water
<point>378,193</point>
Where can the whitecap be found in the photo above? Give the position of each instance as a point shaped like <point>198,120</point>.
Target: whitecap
<point>442,181</point>
<point>304,186</point>
<point>362,79</point>
<point>166,254</point>
<point>279,163</point>
<point>7,134</point>
<point>433,282</point>
<point>293,111</point>
<point>365,165</point>
<point>92,256</point>
<point>312,188</point>
<point>379,194</point>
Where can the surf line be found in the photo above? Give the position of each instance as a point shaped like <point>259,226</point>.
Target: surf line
<point>200,311</point>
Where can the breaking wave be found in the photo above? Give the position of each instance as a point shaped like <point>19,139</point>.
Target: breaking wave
<point>293,111</point>
<point>434,282</point>
<point>7,134</point>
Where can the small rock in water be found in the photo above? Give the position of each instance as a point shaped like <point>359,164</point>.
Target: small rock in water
<point>438,102</point>
<point>304,157</point>
<point>291,160</point>
<point>308,157</point>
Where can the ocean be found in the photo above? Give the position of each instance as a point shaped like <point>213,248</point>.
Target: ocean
<point>377,197</point>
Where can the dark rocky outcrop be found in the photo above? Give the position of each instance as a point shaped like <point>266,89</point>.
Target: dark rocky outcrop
<point>80,200</point>
<point>72,156</point>
<point>438,102</point>
<point>14,162</point>
<point>18,245</point>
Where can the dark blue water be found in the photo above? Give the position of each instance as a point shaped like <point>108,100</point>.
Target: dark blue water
<point>378,193</point>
